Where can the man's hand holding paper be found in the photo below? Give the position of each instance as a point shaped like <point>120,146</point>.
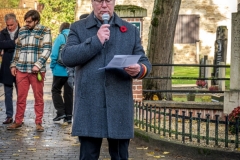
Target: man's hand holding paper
<point>123,61</point>
<point>133,70</point>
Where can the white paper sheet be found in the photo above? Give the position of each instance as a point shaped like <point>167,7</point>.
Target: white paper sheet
<point>121,61</point>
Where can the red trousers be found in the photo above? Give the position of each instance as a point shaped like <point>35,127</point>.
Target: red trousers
<point>24,80</point>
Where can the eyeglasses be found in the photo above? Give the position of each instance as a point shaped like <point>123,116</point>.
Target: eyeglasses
<point>28,22</point>
<point>106,1</point>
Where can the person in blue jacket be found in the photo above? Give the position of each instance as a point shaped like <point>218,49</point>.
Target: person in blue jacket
<point>63,104</point>
<point>7,46</point>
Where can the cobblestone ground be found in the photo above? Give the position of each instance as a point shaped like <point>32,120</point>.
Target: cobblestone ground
<point>56,141</point>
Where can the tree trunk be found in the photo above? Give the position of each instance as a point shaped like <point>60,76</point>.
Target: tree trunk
<point>160,47</point>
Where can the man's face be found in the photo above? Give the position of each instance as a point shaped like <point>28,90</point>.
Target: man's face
<point>11,24</point>
<point>30,23</point>
<point>101,7</point>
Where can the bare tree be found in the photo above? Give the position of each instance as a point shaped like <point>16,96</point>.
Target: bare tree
<point>160,47</point>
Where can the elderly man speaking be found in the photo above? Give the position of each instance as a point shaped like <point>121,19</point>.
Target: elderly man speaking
<point>103,106</point>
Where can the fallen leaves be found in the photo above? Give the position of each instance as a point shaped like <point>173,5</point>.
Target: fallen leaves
<point>14,139</point>
<point>66,139</point>
<point>76,144</point>
<point>32,149</point>
<point>142,147</point>
<point>150,153</point>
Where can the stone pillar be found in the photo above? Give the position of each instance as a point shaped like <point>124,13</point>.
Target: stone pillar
<point>222,74</point>
<point>197,51</point>
<point>232,97</point>
<point>208,73</point>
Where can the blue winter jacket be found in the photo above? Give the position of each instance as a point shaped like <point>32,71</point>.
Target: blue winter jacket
<point>58,70</point>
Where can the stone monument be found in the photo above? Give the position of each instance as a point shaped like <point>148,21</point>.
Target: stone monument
<point>220,54</point>
<point>232,97</point>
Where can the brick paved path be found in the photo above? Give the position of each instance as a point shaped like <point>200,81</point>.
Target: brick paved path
<point>56,141</point>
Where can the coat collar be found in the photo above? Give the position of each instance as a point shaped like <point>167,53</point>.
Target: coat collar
<point>5,32</point>
<point>91,22</point>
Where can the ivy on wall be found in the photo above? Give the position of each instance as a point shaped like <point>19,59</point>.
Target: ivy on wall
<point>9,3</point>
<point>55,12</point>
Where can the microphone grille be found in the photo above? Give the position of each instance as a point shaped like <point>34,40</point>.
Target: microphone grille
<point>105,16</point>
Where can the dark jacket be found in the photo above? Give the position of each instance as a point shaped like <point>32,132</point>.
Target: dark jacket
<point>8,46</point>
<point>103,98</point>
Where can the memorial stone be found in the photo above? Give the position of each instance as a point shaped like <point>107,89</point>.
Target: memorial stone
<point>232,97</point>
<point>220,50</point>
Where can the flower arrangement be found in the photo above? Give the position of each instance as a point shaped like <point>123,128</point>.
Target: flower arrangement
<point>123,29</point>
<point>201,83</point>
<point>232,118</point>
<point>213,88</point>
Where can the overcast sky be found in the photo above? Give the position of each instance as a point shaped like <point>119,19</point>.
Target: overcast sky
<point>233,5</point>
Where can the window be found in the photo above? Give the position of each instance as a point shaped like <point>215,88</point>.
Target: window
<point>187,29</point>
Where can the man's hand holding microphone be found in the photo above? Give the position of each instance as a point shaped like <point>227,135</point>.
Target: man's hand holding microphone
<point>104,32</point>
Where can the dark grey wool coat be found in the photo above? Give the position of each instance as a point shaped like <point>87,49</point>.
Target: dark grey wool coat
<point>103,104</point>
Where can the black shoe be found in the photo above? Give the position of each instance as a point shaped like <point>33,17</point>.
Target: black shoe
<point>68,119</point>
<point>58,118</point>
<point>8,120</point>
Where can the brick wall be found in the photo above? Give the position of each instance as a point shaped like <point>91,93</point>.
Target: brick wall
<point>137,84</point>
<point>212,14</point>
<point>31,4</point>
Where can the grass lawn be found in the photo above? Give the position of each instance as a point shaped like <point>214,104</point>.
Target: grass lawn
<point>180,71</point>
<point>198,98</point>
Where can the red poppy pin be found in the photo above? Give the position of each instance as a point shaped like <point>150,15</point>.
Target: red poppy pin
<point>123,29</point>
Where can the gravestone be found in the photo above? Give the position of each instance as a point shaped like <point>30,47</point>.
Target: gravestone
<point>202,73</point>
<point>220,50</point>
<point>232,97</point>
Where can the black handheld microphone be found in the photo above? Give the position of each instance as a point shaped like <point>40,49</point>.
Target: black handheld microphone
<point>105,18</point>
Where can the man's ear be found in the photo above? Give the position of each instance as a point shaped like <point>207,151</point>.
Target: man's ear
<point>36,22</point>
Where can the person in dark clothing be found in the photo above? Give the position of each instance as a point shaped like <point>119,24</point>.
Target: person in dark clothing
<point>7,45</point>
<point>63,104</point>
<point>32,50</point>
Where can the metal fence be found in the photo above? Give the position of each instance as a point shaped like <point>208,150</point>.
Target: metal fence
<point>189,78</point>
<point>186,128</point>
